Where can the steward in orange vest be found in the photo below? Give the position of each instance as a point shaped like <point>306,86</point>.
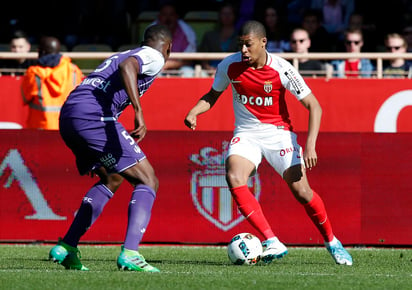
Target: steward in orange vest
<point>45,86</point>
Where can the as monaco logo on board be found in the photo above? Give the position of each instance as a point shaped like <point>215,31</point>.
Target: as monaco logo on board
<point>210,192</point>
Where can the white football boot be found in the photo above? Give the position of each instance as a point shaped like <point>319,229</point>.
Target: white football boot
<point>338,253</point>
<point>273,249</point>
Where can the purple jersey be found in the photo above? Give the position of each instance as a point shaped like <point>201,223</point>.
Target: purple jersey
<point>101,96</point>
<point>88,119</point>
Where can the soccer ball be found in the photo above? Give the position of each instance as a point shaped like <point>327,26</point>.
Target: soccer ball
<point>244,249</point>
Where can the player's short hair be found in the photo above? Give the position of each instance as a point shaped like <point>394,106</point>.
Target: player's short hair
<point>156,32</point>
<point>253,26</point>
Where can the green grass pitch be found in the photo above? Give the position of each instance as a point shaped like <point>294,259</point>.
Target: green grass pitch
<point>206,267</point>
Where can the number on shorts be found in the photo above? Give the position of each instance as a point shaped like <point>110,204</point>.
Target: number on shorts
<point>128,137</point>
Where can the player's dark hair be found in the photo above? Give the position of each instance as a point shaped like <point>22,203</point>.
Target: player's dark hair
<point>253,26</point>
<point>156,32</point>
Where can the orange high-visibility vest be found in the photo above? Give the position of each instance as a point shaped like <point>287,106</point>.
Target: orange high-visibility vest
<point>45,89</point>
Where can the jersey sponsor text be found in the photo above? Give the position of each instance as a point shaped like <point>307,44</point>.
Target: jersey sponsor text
<point>258,101</point>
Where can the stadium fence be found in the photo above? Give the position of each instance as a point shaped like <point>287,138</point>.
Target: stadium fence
<point>377,57</point>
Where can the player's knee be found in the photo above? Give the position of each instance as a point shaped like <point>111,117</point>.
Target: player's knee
<point>234,179</point>
<point>303,195</point>
<point>112,181</point>
<point>115,181</point>
<point>153,182</point>
<point>150,180</point>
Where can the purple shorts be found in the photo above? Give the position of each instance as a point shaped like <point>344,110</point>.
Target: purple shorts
<point>97,143</point>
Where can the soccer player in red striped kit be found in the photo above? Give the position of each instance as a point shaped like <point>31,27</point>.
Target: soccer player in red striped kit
<point>262,127</point>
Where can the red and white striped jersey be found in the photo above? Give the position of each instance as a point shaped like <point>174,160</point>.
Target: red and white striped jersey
<point>259,94</point>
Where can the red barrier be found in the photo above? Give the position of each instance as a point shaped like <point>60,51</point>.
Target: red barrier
<point>362,177</point>
<point>358,105</point>
<point>12,109</point>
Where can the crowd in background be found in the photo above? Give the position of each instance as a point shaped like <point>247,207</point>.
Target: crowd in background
<point>299,26</point>
<point>327,23</point>
<point>109,21</point>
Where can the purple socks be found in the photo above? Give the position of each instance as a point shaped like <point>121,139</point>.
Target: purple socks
<point>91,207</point>
<point>140,209</point>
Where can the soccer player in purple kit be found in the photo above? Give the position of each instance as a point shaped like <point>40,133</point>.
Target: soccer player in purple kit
<point>89,126</point>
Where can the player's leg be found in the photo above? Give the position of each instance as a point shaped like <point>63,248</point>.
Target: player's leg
<point>297,181</point>
<point>238,171</point>
<point>118,152</point>
<point>285,156</point>
<point>66,251</point>
<point>145,182</point>
<point>79,137</point>
<point>92,205</point>
<point>244,159</point>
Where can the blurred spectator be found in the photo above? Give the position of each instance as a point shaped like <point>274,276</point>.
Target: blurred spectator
<point>19,42</point>
<point>295,10</point>
<point>371,37</point>
<point>407,34</point>
<point>353,67</point>
<point>387,16</point>
<point>320,39</point>
<point>14,18</point>
<point>277,39</point>
<point>46,85</point>
<point>184,38</point>
<point>336,14</point>
<point>82,22</point>
<point>246,11</point>
<point>398,67</point>
<point>300,43</point>
<point>224,38</point>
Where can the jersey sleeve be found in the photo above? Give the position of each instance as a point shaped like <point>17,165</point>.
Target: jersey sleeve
<point>222,80</point>
<point>150,61</point>
<point>292,80</point>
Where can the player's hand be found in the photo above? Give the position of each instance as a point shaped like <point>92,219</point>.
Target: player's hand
<point>190,121</point>
<point>140,129</point>
<point>311,158</point>
<point>139,133</point>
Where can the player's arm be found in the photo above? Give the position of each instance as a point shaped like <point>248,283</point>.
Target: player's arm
<point>315,114</point>
<point>129,70</point>
<point>203,105</point>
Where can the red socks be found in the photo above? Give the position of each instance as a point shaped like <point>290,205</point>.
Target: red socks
<point>317,213</point>
<point>251,210</point>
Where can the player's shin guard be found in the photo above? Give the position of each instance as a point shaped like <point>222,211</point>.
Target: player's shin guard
<point>251,210</point>
<point>91,207</point>
<point>140,209</point>
<point>317,213</point>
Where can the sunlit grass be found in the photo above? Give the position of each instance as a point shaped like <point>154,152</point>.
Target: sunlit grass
<point>190,267</point>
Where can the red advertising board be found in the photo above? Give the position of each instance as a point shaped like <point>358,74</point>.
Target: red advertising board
<point>349,105</point>
<point>362,177</point>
